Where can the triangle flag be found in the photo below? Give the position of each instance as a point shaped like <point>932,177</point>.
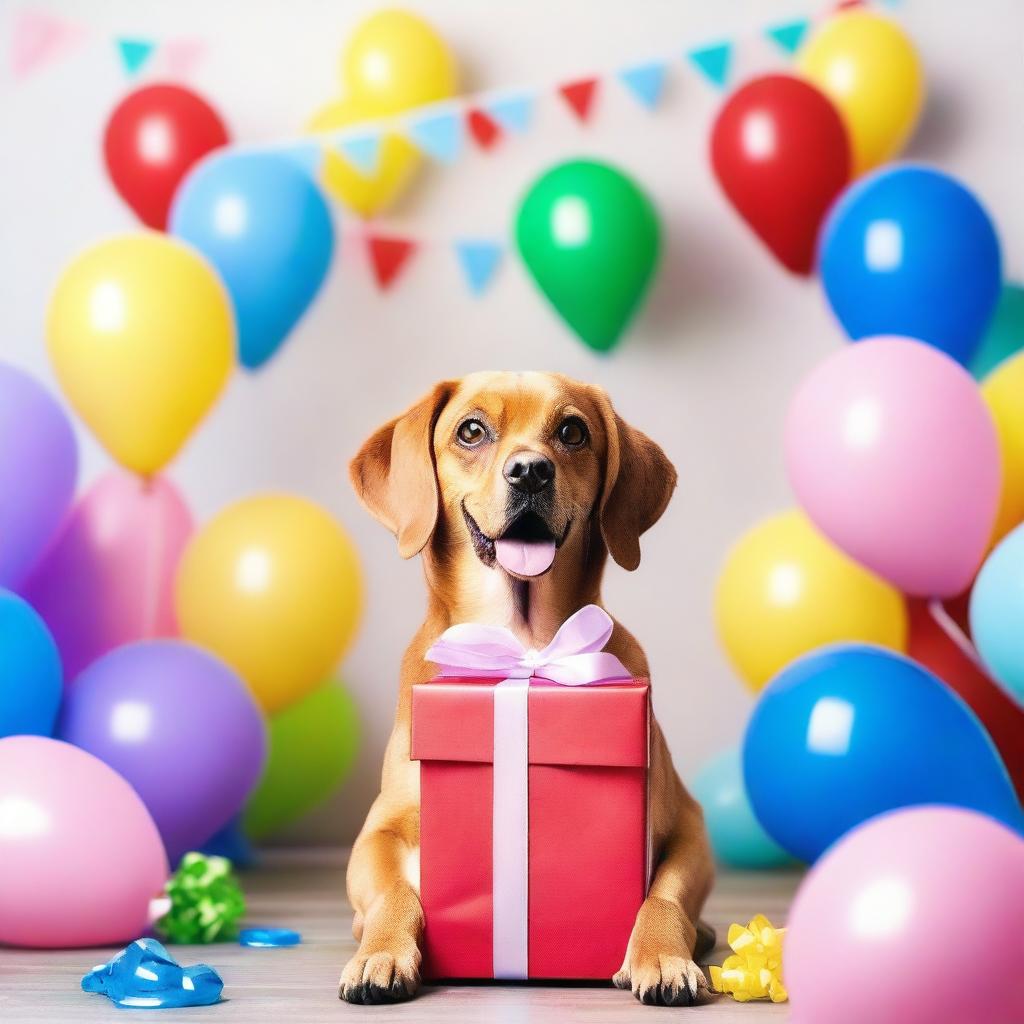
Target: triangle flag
<point>479,260</point>
<point>438,134</point>
<point>362,151</point>
<point>134,53</point>
<point>788,37</point>
<point>484,129</point>
<point>713,62</point>
<point>580,96</point>
<point>38,39</point>
<point>387,257</point>
<point>179,57</point>
<point>513,113</point>
<point>645,82</point>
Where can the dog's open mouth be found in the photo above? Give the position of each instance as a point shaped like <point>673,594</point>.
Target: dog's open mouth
<point>526,547</point>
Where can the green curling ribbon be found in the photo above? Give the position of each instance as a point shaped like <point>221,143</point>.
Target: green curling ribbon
<point>206,901</point>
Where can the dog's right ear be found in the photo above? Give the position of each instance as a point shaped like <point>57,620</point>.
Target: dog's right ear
<point>394,473</point>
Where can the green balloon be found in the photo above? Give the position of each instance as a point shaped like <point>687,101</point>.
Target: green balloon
<point>312,746</point>
<point>590,238</point>
<point>1005,334</point>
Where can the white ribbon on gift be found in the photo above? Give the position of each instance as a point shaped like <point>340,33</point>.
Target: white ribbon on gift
<point>573,658</point>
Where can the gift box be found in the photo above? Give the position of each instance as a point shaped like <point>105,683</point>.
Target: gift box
<point>534,846</point>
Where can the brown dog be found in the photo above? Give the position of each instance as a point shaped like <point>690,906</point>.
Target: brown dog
<point>515,487</point>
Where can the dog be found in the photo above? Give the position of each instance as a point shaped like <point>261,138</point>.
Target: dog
<point>515,488</point>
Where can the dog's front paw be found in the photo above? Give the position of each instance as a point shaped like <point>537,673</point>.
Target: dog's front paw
<point>662,980</point>
<point>381,976</point>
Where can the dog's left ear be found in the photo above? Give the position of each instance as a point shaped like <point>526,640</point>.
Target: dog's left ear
<point>638,483</point>
<point>394,473</point>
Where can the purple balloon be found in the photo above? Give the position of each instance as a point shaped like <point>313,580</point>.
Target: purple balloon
<point>179,725</point>
<point>38,469</point>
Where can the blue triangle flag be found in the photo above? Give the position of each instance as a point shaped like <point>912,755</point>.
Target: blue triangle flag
<point>645,82</point>
<point>362,151</point>
<point>789,36</point>
<point>134,53</point>
<point>479,260</point>
<point>438,134</point>
<point>513,113</point>
<point>713,62</point>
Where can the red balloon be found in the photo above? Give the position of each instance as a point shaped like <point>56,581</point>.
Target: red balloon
<point>152,139</point>
<point>781,154</point>
<point>938,642</point>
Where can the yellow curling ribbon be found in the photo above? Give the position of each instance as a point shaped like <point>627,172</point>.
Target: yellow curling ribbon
<point>755,969</point>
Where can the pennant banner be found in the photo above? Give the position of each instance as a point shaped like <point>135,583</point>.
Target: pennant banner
<point>38,39</point>
<point>135,53</point>
<point>646,82</point>
<point>479,261</point>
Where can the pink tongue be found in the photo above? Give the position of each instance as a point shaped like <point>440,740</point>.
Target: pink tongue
<point>525,558</point>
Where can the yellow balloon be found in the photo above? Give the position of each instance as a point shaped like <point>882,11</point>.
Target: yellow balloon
<point>142,339</point>
<point>364,194</point>
<point>871,71</point>
<point>785,590</point>
<point>271,585</point>
<point>1003,391</point>
<point>393,62</point>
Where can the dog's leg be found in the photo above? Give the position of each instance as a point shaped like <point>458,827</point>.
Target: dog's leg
<point>388,918</point>
<point>659,965</point>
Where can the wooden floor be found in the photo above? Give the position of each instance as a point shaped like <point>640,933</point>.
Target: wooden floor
<point>272,986</point>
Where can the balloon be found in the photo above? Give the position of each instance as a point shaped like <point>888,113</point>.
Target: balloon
<point>30,671</point>
<point>882,905</point>
<point>272,585</point>
<point>759,147</point>
<point>38,468</point>
<point>938,643</point>
<point>153,137</point>
<point>736,835</point>
<point>312,746</point>
<point>179,725</point>
<point>893,455</point>
<point>590,238</point>
<point>81,856</point>
<point>1005,334</point>
<point>784,590</point>
<point>910,251</point>
<point>871,71</point>
<point>850,731</point>
<point>108,578</point>
<point>997,614</point>
<point>141,338</point>
<point>393,62</point>
<point>266,229</point>
<point>1003,393</point>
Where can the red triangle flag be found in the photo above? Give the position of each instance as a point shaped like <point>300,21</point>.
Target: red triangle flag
<point>580,96</point>
<point>387,257</point>
<point>484,129</point>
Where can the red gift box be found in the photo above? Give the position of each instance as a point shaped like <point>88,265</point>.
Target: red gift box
<point>582,841</point>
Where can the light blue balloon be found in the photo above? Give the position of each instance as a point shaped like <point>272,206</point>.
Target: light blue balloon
<point>266,229</point>
<point>997,613</point>
<point>908,250</point>
<point>737,837</point>
<point>31,677</point>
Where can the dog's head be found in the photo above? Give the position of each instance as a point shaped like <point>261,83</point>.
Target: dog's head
<point>527,469</point>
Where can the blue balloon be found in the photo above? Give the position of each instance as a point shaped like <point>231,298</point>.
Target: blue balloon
<point>31,677</point>
<point>997,613</point>
<point>910,251</point>
<point>850,731</point>
<point>266,228</point>
<point>736,835</point>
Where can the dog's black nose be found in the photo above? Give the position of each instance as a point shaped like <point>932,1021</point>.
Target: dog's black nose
<point>529,471</point>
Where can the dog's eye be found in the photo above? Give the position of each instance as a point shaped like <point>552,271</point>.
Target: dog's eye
<point>471,433</point>
<point>573,432</point>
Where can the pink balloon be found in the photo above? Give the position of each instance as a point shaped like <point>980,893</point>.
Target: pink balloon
<point>912,918</point>
<point>108,579</point>
<point>81,858</point>
<point>893,454</point>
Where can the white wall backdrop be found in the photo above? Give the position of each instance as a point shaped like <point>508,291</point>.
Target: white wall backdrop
<point>707,369</point>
